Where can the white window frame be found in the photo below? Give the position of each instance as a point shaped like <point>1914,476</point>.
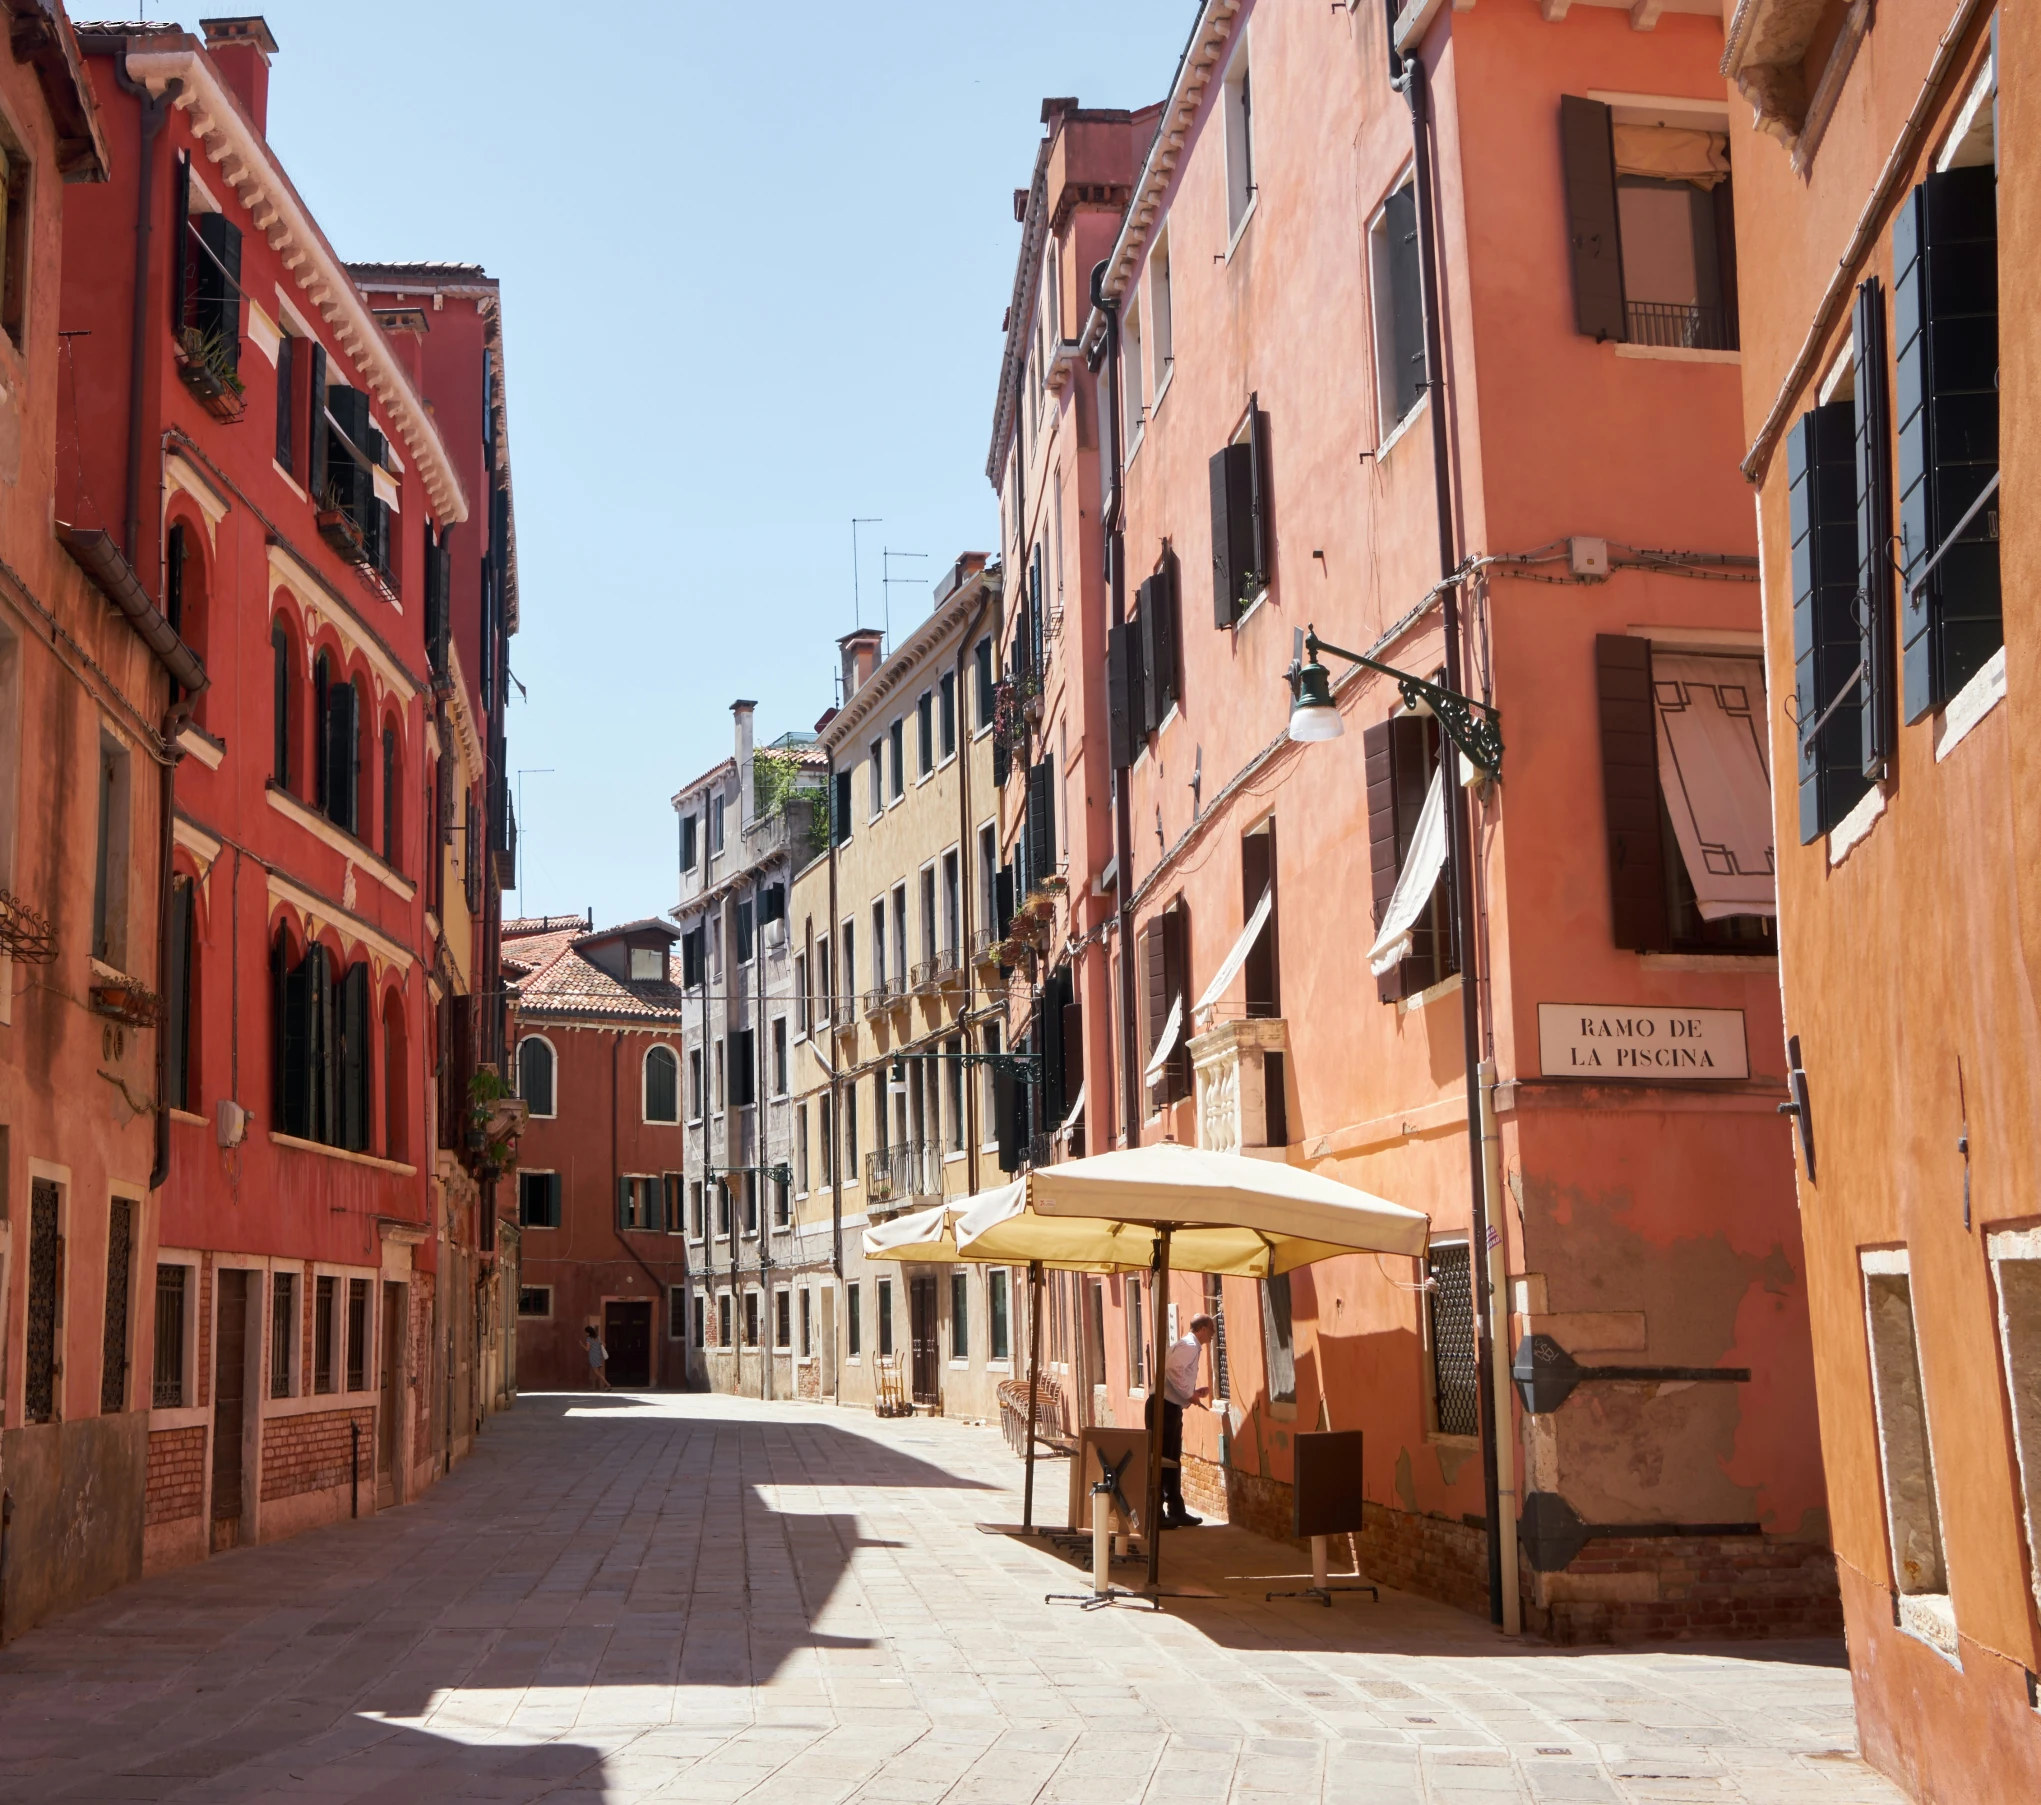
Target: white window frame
<point>645,1086</point>
<point>1237,110</point>
<point>523,1315</point>
<point>546,1041</point>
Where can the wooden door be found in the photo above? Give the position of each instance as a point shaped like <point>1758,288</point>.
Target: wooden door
<point>923,1330</point>
<point>627,1333</point>
<point>230,1420</point>
<point>389,1424</point>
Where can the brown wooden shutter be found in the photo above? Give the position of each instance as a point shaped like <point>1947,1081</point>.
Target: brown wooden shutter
<point>1119,700</point>
<point>1384,855</point>
<point>1587,147</point>
<point>1176,1074</point>
<point>1261,984</point>
<point>1876,636</point>
<point>1630,792</point>
<point>1261,514</point>
<point>1155,977</point>
<point>1414,752</point>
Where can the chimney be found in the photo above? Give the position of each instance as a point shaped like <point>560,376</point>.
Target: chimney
<point>860,659</point>
<point>743,711</point>
<point>241,49</point>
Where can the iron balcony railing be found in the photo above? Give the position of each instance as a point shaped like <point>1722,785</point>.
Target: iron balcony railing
<point>1681,326</point>
<point>906,1171</point>
<point>927,974</point>
<point>981,946</point>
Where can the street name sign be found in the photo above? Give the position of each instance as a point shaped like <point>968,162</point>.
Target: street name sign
<point>1618,1040</point>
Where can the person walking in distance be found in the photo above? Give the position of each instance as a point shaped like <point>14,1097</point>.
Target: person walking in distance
<point>598,1358</point>
<point>1180,1387</point>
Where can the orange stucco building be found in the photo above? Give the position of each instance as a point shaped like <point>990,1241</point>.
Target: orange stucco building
<point>1878,167</point>
<point>1277,441</point>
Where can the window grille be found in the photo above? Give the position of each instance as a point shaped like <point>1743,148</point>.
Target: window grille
<point>120,1255</point>
<point>168,1390</point>
<point>283,1321</point>
<point>1449,1305</point>
<point>324,1304</point>
<point>45,1254</point>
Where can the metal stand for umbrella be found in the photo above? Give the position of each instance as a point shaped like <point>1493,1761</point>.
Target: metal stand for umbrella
<point>1105,1497</point>
<point>1319,1588</point>
<point>1026,1526</point>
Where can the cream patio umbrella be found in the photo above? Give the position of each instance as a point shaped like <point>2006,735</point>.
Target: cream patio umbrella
<point>1142,1209</point>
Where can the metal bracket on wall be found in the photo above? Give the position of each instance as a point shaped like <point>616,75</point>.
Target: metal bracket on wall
<point>1546,1374</point>
<point>1551,1533</point>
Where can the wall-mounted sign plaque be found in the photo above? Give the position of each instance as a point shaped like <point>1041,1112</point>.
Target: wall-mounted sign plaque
<point>1617,1040</point>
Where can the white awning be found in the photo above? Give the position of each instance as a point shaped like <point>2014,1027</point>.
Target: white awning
<point>1714,772</point>
<point>1238,956</point>
<point>1076,1110</point>
<point>1672,153</point>
<point>1167,1044</point>
<point>1421,867</point>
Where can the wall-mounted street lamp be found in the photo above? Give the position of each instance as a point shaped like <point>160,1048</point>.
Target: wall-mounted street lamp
<point>1472,726</point>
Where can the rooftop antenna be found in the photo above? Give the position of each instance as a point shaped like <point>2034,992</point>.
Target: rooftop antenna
<point>886,583</point>
<point>856,604</point>
<point>523,771</point>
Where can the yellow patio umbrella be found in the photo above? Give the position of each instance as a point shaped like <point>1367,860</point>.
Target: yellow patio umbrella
<point>1144,1209</point>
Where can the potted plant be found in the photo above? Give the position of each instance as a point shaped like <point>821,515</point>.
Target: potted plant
<point>206,362</point>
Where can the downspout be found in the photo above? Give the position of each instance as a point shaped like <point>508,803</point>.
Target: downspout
<point>769,1342</point>
<point>1123,817</point>
<point>835,937</point>
<point>154,109</point>
<point>965,880</point>
<point>708,1209</point>
<point>1417,91</point>
<point>173,723</point>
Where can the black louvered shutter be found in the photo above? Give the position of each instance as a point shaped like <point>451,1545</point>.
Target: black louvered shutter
<point>1945,304</point>
<point>340,780</point>
<point>177,998</point>
<point>1002,763</point>
<point>1041,822</point>
<point>180,245</point>
<point>1232,481</point>
<point>1154,966</point>
<point>287,1035</point>
<point>216,285</point>
<point>1261,507</point>
<point>841,809</point>
<point>1587,148</point>
<point>280,704</point>
<point>1384,857</point>
<point>1821,466</point>
<point>286,399</point>
<point>325,1049</point>
<point>1146,607</point>
<point>1140,721</point>
<point>1176,922</point>
<point>1048,1029</point>
<point>317,451</point>
<point>1071,1028</point>
<point>1007,1104</point>
<point>354,1058</point>
<point>1261,984</point>
<point>1163,648</point>
<point>1119,700</point>
<point>1879,725</point>
<point>623,1202</point>
<point>1631,810</point>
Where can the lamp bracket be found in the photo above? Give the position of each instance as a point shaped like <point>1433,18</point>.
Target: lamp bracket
<point>1473,726</point>
<point>1025,1067</point>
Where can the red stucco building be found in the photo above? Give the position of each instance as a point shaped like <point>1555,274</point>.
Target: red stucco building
<point>602,1160</point>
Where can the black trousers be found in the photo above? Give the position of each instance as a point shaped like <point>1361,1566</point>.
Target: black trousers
<point>1172,1453</point>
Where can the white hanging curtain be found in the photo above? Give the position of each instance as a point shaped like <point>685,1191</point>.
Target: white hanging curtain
<point>1238,956</point>
<point>1076,1110</point>
<point>1167,1044</point>
<point>1421,867</point>
<point>1672,153</point>
<point>1713,770</point>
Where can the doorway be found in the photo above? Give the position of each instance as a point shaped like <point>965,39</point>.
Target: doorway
<point>390,1381</point>
<point>627,1333</point>
<point>230,1408</point>
<point>922,1329</point>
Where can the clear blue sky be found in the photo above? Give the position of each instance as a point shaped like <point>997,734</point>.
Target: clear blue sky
<point>754,260</point>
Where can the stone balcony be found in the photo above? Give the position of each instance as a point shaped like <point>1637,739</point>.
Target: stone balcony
<point>1238,1070</point>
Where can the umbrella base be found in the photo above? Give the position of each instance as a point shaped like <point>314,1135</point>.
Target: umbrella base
<point>1323,1594</point>
<point>1092,1601</point>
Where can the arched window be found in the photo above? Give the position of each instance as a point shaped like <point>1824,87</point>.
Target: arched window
<point>396,1123</point>
<point>338,706</point>
<point>535,1075</point>
<point>393,825</point>
<point>184,599</point>
<point>662,1086</point>
<point>280,658</point>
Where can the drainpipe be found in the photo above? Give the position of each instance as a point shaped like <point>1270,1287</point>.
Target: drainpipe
<point>708,1077</point>
<point>834,935</point>
<point>173,724</point>
<point>1123,819</point>
<point>965,880</point>
<point>1417,92</point>
<point>769,1343</point>
<point>1505,1441</point>
<point>154,109</point>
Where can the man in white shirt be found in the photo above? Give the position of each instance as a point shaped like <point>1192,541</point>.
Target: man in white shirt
<point>1180,1387</point>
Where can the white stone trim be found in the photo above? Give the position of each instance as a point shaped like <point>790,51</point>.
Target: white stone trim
<point>1888,1261</point>
<point>351,928</point>
<point>320,605</point>
<point>1970,704</point>
<point>1856,826</point>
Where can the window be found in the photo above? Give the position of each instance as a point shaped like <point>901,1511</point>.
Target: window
<point>924,732</point>
<point>1241,540</point>
<point>2016,1272</point>
<point>336,709</point>
<point>751,1319</point>
<point>1945,320</point>
<point>1687,791</point>
<point>173,1297</point>
<point>111,859</point>
<point>878,777</point>
<point>953,1084</point>
<point>357,1334</point>
<point>1133,384</point>
<point>801,1149</point>
<point>715,825</point>
<point>807,1323</point>
<point>723,1215</point>
<point>1165,955</point>
<point>1278,1343</point>
<point>747,1184</point>
<point>690,836</point>
<point>825,1146</point>
<point>998,1307</point>
<point>639,1201</point>
<point>946,715</point>
<point>1449,1325</point>
<point>535,1075</point>
<point>981,666</point>
<point>281,678</point>
<point>988,883</point>
<point>722,1319</point>
<point>1239,107</point>
<point>1137,1337</point>
<point>743,1068</point>
<point>207,264</point>
<point>783,1319</point>
<point>701,1335</point>
<point>1652,226</point>
<point>648,964</point>
<point>321,1044</point>
<point>896,737</point>
<point>325,1332</point>
<point>744,935</point>
<point>1402,762</point>
<point>1398,297</point>
<point>960,1314</point>
<point>538,1199</point>
<point>801,996</point>
<point>884,1306</point>
<point>853,1324</point>
<point>534,1300</point>
<point>676,1313</point>
<point>1161,328</point>
<point>662,1085</point>
<point>839,807</point>
<point>850,1135</point>
<point>878,945</point>
<point>1215,1308</point>
<point>782,1199</point>
<point>694,1084</point>
<point>283,1325</point>
<point>779,1056</point>
<point>179,1030</point>
<point>720,1061</point>
<point>393,790</point>
<point>1144,664</point>
<point>1906,1458</point>
<point>697,1219</point>
<point>14,236</point>
<point>694,950</point>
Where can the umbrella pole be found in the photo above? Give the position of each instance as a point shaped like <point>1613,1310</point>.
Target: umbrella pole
<point>1034,1380</point>
<point>1151,1523</point>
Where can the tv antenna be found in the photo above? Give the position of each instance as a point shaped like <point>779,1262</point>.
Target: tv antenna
<point>886,582</point>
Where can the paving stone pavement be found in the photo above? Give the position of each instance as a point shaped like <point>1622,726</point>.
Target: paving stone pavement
<point>715,1599</point>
